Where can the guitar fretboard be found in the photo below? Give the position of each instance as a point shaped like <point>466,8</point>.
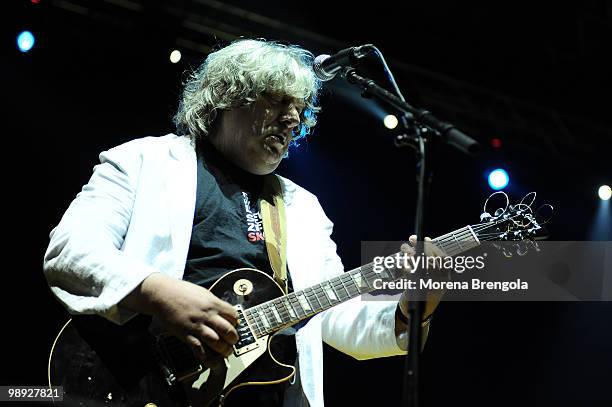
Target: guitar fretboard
<point>292,308</point>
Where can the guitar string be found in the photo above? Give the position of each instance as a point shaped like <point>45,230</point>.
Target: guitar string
<point>316,290</point>
<point>448,240</point>
<point>466,232</point>
<point>286,318</point>
<point>367,273</point>
<point>316,293</point>
<point>335,283</point>
<point>338,283</point>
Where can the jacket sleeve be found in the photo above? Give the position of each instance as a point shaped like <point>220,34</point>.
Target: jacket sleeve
<point>84,265</point>
<point>364,329</point>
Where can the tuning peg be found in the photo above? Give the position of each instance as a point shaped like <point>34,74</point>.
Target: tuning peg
<point>485,217</point>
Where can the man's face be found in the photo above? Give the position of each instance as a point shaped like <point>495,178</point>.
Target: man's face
<point>256,137</point>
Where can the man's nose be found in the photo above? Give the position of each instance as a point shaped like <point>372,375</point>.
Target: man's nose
<point>290,116</point>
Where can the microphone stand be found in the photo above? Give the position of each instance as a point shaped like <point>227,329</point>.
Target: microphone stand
<point>424,124</point>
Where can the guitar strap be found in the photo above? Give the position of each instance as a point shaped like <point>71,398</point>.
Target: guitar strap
<point>275,228</point>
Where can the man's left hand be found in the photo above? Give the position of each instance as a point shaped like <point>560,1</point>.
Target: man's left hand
<point>432,297</point>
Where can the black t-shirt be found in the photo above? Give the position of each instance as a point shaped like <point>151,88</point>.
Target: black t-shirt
<point>227,229</point>
<point>228,234</point>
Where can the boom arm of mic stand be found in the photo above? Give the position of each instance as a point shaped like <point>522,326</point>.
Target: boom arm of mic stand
<point>446,131</point>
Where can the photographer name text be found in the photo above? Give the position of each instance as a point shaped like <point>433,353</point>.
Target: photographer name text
<point>431,284</point>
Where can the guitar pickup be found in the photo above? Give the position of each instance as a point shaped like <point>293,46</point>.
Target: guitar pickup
<point>246,339</point>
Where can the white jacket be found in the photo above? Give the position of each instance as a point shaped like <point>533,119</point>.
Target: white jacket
<point>135,217</point>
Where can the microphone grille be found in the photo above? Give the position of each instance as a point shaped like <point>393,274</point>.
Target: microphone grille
<point>319,71</point>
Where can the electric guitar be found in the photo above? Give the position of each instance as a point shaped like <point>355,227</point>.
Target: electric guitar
<point>138,364</point>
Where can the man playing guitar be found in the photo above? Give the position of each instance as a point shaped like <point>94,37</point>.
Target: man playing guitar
<point>163,218</point>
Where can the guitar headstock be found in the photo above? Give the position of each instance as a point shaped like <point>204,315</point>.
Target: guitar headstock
<point>513,227</point>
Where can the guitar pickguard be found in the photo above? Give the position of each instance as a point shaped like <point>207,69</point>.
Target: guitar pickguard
<point>212,382</point>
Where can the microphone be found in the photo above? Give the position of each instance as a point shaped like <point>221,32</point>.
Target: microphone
<point>326,67</point>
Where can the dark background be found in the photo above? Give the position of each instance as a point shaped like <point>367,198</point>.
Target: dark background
<point>534,74</point>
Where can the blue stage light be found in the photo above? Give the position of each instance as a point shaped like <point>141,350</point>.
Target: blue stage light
<point>498,179</point>
<point>25,41</point>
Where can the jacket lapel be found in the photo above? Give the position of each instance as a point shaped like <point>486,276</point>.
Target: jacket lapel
<point>180,195</point>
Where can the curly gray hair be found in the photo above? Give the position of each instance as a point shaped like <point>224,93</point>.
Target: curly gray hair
<point>240,73</point>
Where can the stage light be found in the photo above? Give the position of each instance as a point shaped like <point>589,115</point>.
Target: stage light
<point>498,179</point>
<point>604,192</point>
<point>390,121</point>
<point>175,56</point>
<point>25,41</point>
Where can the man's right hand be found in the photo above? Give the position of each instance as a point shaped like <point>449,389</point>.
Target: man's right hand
<point>192,313</point>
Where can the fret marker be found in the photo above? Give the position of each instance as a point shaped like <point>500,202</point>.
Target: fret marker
<point>304,302</point>
<point>290,309</point>
<point>357,279</point>
<point>330,293</point>
<point>263,318</point>
<point>276,315</point>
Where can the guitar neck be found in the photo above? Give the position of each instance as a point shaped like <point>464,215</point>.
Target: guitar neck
<point>273,315</point>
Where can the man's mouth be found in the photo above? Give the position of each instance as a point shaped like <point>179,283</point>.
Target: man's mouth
<point>279,138</point>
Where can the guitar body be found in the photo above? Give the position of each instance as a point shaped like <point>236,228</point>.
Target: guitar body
<point>101,363</point>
